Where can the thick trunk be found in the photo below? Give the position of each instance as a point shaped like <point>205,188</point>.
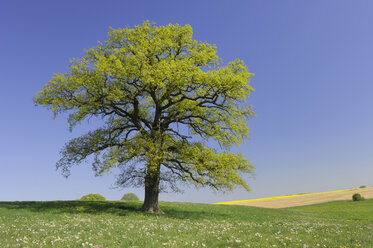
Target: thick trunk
<point>152,191</point>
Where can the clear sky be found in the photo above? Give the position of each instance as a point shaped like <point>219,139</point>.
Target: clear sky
<point>313,79</point>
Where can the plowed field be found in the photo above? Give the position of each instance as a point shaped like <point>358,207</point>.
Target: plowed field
<point>303,199</point>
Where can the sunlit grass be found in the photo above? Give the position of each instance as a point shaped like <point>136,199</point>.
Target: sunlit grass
<point>121,224</point>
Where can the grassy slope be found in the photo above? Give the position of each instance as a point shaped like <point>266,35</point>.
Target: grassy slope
<point>120,224</point>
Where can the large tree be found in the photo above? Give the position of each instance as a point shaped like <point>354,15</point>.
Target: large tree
<point>162,97</point>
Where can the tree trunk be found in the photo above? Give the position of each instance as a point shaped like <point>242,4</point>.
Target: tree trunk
<point>152,191</point>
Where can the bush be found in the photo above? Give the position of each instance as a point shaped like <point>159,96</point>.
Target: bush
<point>92,197</point>
<point>357,197</point>
<point>130,197</point>
<point>362,187</point>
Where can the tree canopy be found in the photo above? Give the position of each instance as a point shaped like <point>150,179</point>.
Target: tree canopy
<point>163,97</point>
<point>93,197</point>
<point>129,197</point>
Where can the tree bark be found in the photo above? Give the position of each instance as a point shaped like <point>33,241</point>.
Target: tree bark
<point>152,191</point>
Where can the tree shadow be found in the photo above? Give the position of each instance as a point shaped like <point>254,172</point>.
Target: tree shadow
<point>75,207</point>
<point>172,210</point>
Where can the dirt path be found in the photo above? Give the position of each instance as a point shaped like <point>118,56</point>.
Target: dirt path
<point>304,199</point>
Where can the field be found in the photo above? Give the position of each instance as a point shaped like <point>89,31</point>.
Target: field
<point>303,199</point>
<point>121,224</point>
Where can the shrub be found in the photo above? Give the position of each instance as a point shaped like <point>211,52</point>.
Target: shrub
<point>92,197</point>
<point>130,197</point>
<point>362,187</point>
<point>357,197</point>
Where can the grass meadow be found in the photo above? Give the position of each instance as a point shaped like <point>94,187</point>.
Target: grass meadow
<point>121,224</point>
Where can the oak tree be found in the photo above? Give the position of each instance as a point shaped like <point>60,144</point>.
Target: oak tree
<point>163,96</point>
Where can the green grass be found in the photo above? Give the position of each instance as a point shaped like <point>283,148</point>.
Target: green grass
<point>121,224</point>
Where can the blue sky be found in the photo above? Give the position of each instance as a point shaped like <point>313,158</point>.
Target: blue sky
<point>313,79</point>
